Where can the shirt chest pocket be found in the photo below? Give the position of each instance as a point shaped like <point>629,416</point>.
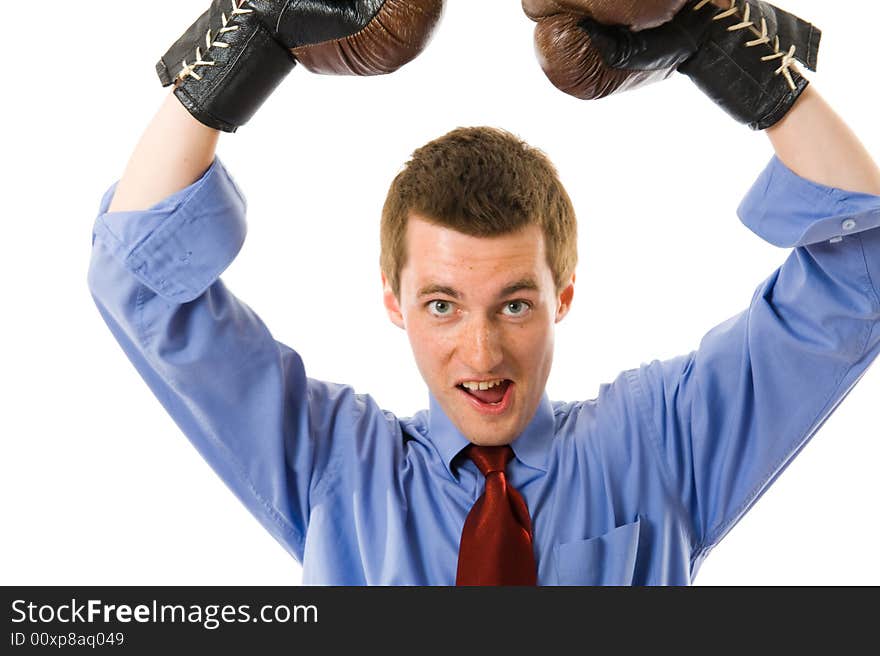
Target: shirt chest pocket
<point>607,559</point>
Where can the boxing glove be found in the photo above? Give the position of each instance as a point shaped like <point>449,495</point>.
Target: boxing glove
<point>742,56</point>
<point>566,52</point>
<point>232,58</point>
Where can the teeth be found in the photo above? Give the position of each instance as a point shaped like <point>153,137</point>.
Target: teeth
<point>482,385</point>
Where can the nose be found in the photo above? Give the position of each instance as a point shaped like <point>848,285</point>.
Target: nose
<point>480,348</point>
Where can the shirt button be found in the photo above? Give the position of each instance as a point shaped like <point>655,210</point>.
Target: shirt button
<point>849,224</point>
<point>835,240</point>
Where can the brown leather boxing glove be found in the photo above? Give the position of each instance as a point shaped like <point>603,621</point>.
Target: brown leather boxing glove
<point>229,61</point>
<point>567,54</point>
<point>741,53</point>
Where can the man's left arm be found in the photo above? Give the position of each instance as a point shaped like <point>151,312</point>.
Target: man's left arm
<point>729,417</point>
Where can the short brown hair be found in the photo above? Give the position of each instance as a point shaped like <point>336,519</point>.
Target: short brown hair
<point>483,182</point>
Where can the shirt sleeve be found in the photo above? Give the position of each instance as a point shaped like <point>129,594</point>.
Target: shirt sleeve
<point>241,397</point>
<point>728,418</point>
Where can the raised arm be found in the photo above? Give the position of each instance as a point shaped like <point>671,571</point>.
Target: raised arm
<point>726,419</point>
<point>176,220</point>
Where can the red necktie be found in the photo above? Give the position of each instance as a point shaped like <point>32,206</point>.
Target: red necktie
<point>496,541</point>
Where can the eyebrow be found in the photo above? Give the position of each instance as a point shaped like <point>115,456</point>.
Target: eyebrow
<point>522,284</point>
<point>430,290</point>
<point>526,284</point>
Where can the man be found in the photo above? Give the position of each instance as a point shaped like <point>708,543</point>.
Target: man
<point>634,487</point>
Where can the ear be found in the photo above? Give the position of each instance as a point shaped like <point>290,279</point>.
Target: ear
<point>392,305</point>
<point>563,300</point>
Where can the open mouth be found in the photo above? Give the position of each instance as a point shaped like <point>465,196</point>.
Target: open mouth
<point>488,396</point>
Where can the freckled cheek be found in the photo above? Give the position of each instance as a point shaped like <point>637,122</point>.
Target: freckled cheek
<point>443,344</point>
<point>432,345</point>
<point>530,346</point>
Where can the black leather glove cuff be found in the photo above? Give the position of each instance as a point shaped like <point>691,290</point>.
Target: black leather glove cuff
<point>225,65</point>
<point>747,62</point>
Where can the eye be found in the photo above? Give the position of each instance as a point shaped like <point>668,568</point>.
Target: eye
<point>516,308</point>
<point>440,308</point>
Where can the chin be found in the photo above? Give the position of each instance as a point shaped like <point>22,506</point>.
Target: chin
<point>490,442</point>
<point>489,436</point>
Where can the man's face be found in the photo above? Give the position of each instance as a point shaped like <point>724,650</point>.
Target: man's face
<point>480,315</point>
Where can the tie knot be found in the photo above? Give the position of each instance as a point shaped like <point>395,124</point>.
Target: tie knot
<point>490,458</point>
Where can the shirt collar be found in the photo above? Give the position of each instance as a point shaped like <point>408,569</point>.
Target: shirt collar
<point>530,447</point>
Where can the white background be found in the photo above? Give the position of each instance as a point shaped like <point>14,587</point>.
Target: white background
<point>98,484</point>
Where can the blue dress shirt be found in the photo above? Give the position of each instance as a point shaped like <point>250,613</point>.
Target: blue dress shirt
<point>633,487</point>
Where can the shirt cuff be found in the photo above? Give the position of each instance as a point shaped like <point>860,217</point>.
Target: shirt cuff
<point>787,210</point>
<point>180,246</point>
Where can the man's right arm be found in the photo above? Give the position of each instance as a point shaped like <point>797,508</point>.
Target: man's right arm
<point>241,397</point>
<point>175,222</point>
